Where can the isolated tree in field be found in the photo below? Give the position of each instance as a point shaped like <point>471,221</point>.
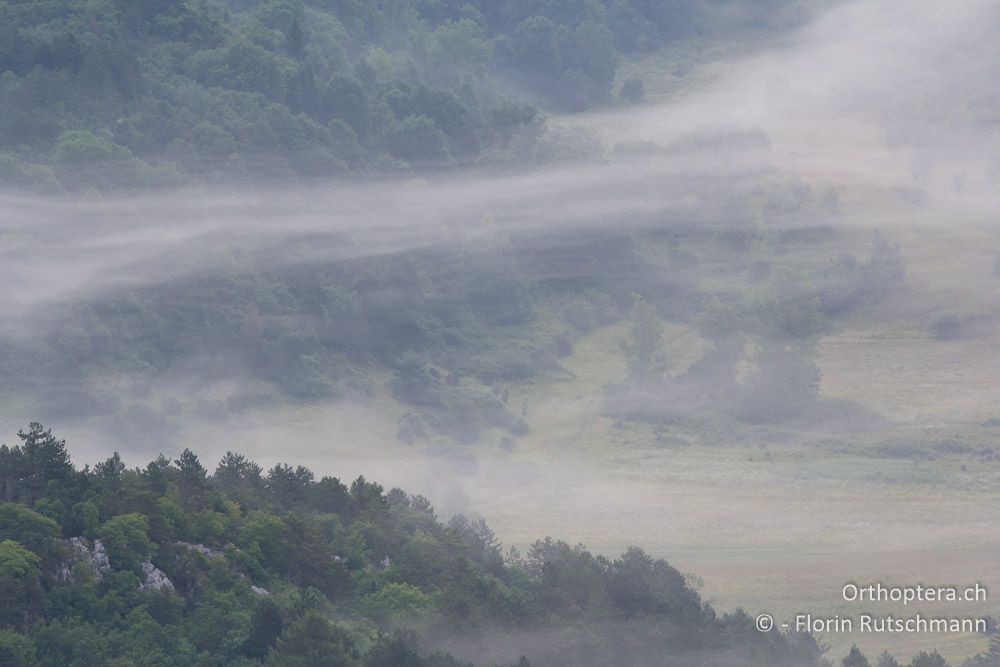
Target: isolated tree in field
<point>645,336</point>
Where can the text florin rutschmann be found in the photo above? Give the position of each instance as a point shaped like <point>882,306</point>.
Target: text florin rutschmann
<point>874,594</point>
<point>918,623</point>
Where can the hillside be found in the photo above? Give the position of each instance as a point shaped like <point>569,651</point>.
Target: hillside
<point>713,277</point>
<point>112,95</point>
<point>168,565</point>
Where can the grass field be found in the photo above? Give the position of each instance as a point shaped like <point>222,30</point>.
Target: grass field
<point>769,522</point>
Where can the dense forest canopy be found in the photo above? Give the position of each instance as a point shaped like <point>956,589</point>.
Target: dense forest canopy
<point>120,94</point>
<point>173,564</point>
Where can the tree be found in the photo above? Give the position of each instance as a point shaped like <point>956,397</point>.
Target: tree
<point>415,381</point>
<point>111,471</point>
<point>367,497</point>
<point>20,586</point>
<point>192,480</point>
<point>535,50</point>
<point>593,53</point>
<point>643,345</point>
<point>344,99</point>
<point>26,527</point>
<point>398,602</point>
<point>330,495</point>
<point>110,480</point>
<point>932,659</point>
<point>855,658</point>
<point>312,641</point>
<point>127,541</point>
<point>240,478</point>
<point>82,159</point>
<point>989,659</point>
<point>417,140</point>
<point>265,628</point>
<point>886,660</point>
<point>39,466</point>
<point>16,650</point>
<point>265,536</point>
<point>393,651</point>
<point>288,486</point>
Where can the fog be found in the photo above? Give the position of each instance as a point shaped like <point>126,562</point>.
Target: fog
<point>885,112</point>
<point>872,95</point>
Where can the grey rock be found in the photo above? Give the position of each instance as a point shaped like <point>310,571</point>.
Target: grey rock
<point>154,579</point>
<point>95,558</point>
<point>100,558</point>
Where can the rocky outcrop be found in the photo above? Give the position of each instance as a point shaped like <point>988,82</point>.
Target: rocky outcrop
<point>154,579</point>
<point>79,551</point>
<point>95,558</point>
<point>259,591</point>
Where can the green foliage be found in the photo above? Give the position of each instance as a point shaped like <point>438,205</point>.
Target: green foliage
<point>83,160</point>
<point>20,586</point>
<point>266,625</point>
<point>373,560</point>
<point>127,541</point>
<point>111,95</point>
<point>312,641</point>
<point>398,602</point>
<point>39,466</point>
<point>417,140</point>
<point>16,650</point>
<point>31,529</point>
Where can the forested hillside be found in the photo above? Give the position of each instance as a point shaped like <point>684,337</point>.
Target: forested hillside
<point>115,94</point>
<point>715,277</point>
<point>173,564</point>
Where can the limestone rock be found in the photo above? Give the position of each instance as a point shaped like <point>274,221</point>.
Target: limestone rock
<point>154,579</point>
<point>80,551</point>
